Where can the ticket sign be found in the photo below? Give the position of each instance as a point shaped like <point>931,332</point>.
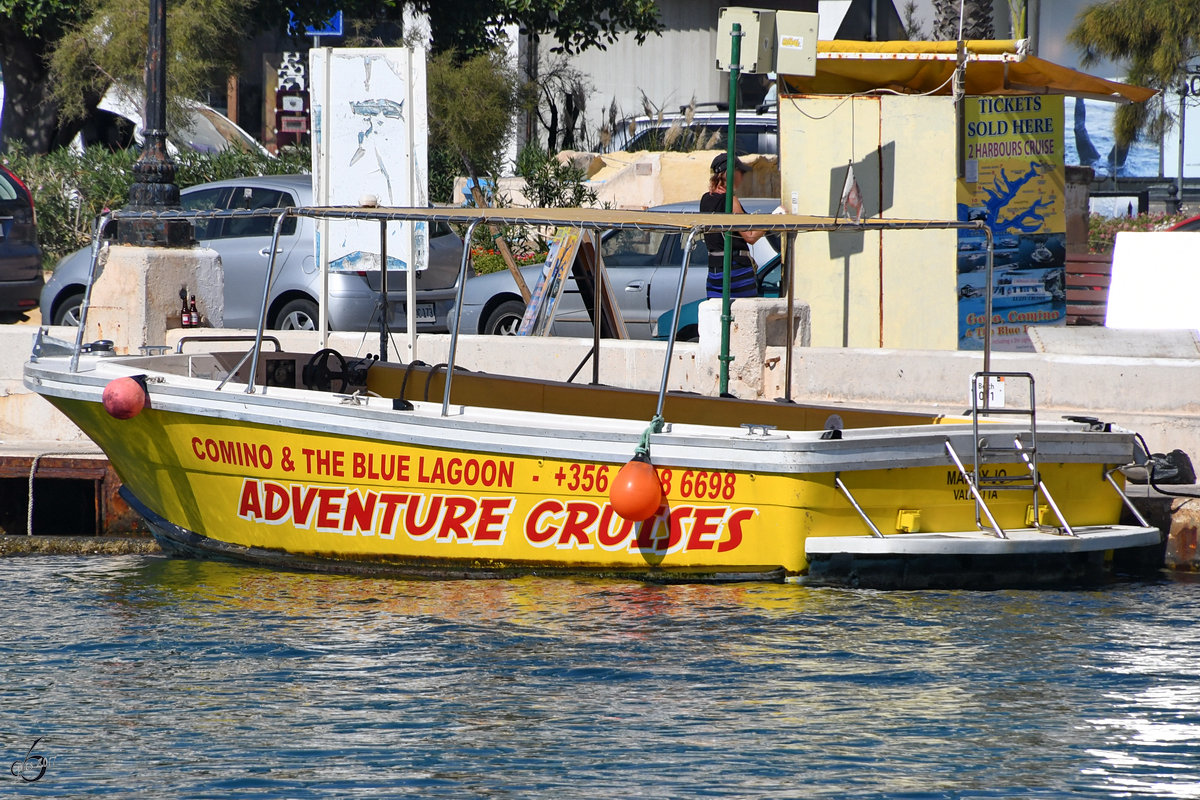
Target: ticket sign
<point>1014,182</point>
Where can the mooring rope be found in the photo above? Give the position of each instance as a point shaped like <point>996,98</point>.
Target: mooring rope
<point>655,426</point>
<point>33,465</point>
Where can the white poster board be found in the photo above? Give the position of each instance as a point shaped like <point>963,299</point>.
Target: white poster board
<point>370,137</point>
<point>1155,281</point>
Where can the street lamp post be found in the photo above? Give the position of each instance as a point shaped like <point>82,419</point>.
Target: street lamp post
<point>154,186</point>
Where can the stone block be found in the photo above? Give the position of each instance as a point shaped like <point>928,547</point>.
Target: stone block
<point>135,299</point>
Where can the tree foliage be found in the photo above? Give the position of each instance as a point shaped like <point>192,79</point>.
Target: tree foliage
<point>470,108</point>
<point>1156,39</point>
<point>110,47</point>
<point>58,56</point>
<point>469,26</point>
<point>976,19</point>
<point>71,189</point>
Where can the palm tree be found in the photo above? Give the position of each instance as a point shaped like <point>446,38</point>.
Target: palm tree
<point>976,19</point>
<point>1156,38</point>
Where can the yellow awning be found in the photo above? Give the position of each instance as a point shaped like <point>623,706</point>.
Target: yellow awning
<point>992,68</point>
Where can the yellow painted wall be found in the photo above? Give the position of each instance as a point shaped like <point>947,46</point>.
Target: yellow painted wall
<point>892,289</point>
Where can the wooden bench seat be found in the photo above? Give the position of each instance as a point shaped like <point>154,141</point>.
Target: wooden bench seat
<point>1088,278</point>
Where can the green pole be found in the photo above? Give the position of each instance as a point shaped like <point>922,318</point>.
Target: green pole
<point>735,67</point>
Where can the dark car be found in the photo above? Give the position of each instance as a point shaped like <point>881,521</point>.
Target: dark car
<point>20,255</point>
<point>244,245</point>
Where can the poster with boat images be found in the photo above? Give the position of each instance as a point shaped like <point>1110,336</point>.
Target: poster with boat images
<point>1014,181</point>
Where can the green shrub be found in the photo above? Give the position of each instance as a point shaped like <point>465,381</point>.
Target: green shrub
<point>70,190</point>
<point>486,261</point>
<point>443,169</point>
<point>550,183</point>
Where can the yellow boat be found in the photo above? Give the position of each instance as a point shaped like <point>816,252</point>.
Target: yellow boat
<point>411,470</point>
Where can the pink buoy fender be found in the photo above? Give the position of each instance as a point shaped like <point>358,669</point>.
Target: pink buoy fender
<point>636,494</point>
<point>124,398</point>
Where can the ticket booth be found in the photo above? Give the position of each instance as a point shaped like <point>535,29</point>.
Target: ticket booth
<point>928,131</point>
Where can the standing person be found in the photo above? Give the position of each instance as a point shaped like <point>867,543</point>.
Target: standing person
<point>742,280</point>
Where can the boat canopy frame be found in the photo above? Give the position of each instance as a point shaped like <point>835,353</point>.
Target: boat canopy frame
<point>690,225</point>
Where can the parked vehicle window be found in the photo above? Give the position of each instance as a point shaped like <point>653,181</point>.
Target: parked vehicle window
<point>675,251</point>
<point>256,198</point>
<point>205,199</point>
<point>8,188</point>
<point>709,136</point>
<point>632,248</point>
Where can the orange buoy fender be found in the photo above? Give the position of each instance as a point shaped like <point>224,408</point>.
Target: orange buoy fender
<point>636,494</point>
<point>124,398</point>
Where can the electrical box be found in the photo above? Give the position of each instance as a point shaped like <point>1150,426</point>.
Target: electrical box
<point>795,43</point>
<point>758,39</point>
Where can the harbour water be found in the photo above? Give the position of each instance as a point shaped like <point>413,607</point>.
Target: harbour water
<point>147,677</point>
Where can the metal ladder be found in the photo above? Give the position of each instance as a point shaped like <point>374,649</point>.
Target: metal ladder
<point>1023,449</point>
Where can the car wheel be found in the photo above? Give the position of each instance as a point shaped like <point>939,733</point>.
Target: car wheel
<point>300,314</point>
<point>505,320</point>
<point>689,333</point>
<point>68,310</point>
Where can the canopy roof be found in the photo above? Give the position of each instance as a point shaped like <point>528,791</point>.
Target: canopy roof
<point>992,68</point>
<point>582,218</point>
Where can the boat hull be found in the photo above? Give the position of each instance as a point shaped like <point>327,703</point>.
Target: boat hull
<point>282,482</point>
<point>1027,558</point>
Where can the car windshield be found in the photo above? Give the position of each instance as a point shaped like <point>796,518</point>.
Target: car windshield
<point>209,132</point>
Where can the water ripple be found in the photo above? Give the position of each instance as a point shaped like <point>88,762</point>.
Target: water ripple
<point>149,677</point>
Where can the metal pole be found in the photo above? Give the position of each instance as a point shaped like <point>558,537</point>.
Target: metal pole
<point>735,68</point>
<point>683,268</point>
<point>989,288</point>
<point>1179,178</point>
<point>597,311</point>
<point>468,237</point>
<point>154,186</point>
<point>383,292</point>
<point>785,275</point>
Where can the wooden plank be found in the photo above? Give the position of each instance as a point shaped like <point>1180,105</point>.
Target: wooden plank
<point>88,469</point>
<point>1098,297</point>
<point>587,269</point>
<point>1090,258</point>
<point>1088,277</point>
<point>1089,269</point>
<point>1080,282</point>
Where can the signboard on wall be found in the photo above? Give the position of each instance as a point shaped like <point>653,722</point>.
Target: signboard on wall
<point>370,135</point>
<point>291,101</point>
<point>1013,180</point>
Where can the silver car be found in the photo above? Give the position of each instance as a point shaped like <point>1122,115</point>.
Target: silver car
<point>643,267</point>
<point>244,244</point>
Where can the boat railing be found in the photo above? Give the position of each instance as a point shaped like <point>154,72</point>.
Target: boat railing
<point>98,232</point>
<point>687,225</point>
<point>243,337</point>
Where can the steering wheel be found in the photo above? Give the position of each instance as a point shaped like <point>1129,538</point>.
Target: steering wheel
<point>319,377</point>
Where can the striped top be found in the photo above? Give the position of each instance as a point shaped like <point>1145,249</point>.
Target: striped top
<point>742,280</point>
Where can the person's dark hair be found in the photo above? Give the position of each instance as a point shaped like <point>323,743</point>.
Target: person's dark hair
<point>717,179</point>
<point>720,162</point>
